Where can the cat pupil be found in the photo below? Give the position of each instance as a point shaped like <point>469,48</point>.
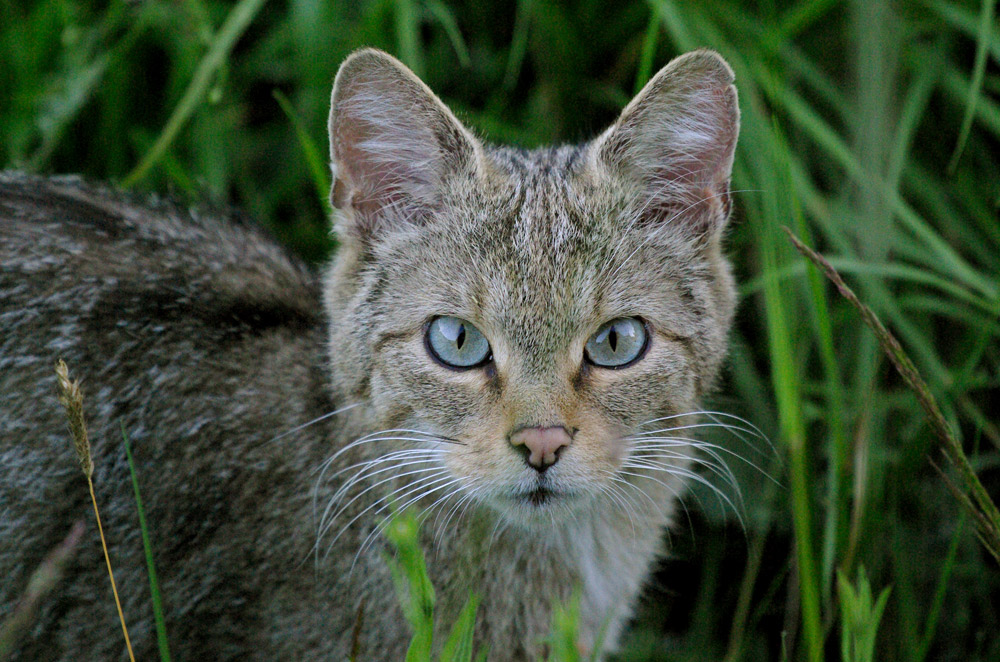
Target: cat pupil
<point>460,339</point>
<point>613,339</point>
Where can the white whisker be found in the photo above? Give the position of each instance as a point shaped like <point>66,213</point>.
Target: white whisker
<point>720,470</point>
<point>370,471</point>
<point>334,501</point>
<point>381,526</point>
<point>383,502</point>
<point>715,451</point>
<point>468,496</point>
<point>690,475</point>
<point>314,421</point>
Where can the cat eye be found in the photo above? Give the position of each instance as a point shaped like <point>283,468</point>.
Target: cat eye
<point>617,344</point>
<point>456,343</point>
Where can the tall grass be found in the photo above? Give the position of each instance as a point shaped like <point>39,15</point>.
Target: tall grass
<point>870,127</point>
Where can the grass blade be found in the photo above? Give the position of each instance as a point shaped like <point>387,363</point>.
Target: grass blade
<point>935,612</point>
<point>413,584</point>
<point>317,168</point>
<point>147,546</point>
<point>648,52</point>
<point>72,399</point>
<point>408,36</point>
<point>45,578</point>
<point>447,20</point>
<point>981,506</point>
<point>983,39</point>
<point>458,648</point>
<point>801,16</point>
<point>236,23</point>
<point>859,617</point>
<point>787,385</point>
<point>565,630</point>
<point>518,43</point>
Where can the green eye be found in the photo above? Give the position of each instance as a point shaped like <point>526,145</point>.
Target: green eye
<point>456,343</point>
<point>617,344</point>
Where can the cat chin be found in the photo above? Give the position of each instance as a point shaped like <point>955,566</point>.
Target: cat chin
<point>539,508</point>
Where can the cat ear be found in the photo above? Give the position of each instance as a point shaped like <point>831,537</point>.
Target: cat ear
<point>392,144</point>
<point>676,139</point>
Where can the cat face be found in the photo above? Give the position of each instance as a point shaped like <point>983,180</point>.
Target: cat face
<point>533,308</point>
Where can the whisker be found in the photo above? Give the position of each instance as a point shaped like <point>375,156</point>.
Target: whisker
<point>676,495</point>
<point>668,469</point>
<point>362,475</point>
<point>440,530</point>
<point>618,479</point>
<point>366,472</point>
<point>473,495</point>
<point>744,426</point>
<point>615,493</point>
<point>314,421</point>
<point>327,521</point>
<point>388,457</point>
<point>666,449</point>
<point>501,525</point>
<point>381,526</point>
<point>655,465</point>
<point>720,470</point>
<point>377,436</point>
<point>434,435</point>
<point>706,412</point>
<point>690,475</point>
<point>741,424</point>
<point>374,436</point>
<point>381,435</point>
<point>713,450</point>
<point>468,496</point>
<point>734,429</point>
<point>382,503</point>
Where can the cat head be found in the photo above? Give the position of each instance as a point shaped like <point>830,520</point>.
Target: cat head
<point>537,307</point>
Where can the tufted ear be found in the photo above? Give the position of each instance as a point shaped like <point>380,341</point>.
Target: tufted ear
<point>676,140</point>
<point>392,144</point>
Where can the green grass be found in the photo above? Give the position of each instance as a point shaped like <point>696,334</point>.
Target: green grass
<point>416,596</point>
<point>859,617</point>
<point>162,643</point>
<point>871,128</point>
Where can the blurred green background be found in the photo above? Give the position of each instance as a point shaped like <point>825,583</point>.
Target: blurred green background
<point>870,127</point>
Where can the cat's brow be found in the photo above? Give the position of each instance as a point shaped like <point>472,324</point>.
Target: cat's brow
<point>384,338</point>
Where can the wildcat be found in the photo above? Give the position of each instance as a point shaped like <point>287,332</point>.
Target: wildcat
<point>514,341</point>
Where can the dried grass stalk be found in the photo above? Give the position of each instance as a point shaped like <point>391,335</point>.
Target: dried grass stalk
<point>971,495</point>
<point>72,399</point>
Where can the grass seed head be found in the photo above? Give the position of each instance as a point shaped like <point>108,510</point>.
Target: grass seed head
<point>72,399</point>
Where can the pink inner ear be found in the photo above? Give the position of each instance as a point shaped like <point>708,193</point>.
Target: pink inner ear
<point>675,203</point>
<point>695,140</point>
<point>679,143</point>
<point>385,160</point>
<point>393,144</point>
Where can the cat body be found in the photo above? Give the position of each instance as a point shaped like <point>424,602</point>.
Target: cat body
<point>224,360</point>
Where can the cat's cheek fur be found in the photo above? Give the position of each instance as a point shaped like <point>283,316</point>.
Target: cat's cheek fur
<point>662,383</point>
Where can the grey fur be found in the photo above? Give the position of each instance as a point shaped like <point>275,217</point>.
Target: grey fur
<point>207,342</point>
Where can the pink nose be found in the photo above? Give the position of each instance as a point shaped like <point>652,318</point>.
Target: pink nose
<point>543,444</point>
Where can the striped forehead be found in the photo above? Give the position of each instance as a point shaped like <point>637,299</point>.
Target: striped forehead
<point>545,232</point>
<point>543,280</point>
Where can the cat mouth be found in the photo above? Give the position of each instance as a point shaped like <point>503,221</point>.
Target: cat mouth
<point>538,496</point>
